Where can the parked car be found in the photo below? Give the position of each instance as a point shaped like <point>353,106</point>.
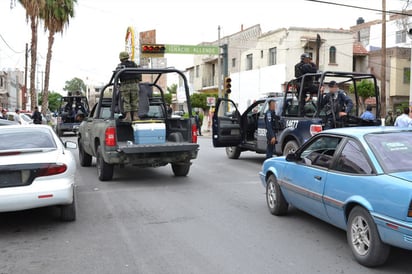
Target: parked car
<point>4,122</point>
<point>359,180</point>
<point>24,117</point>
<point>37,171</point>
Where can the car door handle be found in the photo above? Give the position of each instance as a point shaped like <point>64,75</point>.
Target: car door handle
<point>317,177</point>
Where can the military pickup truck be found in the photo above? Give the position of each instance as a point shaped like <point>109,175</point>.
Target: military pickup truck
<point>105,134</point>
<point>72,110</point>
<point>300,114</point>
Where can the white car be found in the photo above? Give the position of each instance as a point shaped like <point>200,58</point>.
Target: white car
<point>36,170</point>
<point>24,117</point>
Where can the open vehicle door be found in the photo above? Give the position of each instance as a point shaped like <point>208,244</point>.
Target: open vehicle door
<point>226,124</point>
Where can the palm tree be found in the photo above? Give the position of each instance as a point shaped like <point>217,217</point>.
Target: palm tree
<point>33,8</point>
<point>56,15</point>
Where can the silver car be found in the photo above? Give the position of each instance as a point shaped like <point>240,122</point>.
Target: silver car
<point>36,170</point>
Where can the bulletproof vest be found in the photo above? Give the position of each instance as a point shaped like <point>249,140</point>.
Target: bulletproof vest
<point>298,69</point>
<point>128,77</point>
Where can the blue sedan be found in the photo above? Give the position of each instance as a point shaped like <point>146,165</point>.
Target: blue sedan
<point>358,179</point>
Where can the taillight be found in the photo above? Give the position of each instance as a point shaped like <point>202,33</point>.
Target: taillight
<point>51,169</point>
<point>110,137</point>
<point>314,129</point>
<point>10,153</point>
<point>194,133</point>
<point>410,210</point>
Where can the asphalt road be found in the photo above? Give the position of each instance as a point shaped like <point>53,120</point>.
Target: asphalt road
<point>147,221</point>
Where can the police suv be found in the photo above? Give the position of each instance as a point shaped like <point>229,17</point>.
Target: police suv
<point>300,114</point>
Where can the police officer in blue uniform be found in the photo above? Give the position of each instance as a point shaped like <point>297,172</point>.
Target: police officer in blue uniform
<point>336,105</point>
<point>272,128</point>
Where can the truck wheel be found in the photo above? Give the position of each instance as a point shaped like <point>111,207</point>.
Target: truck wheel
<point>68,212</point>
<point>233,152</point>
<point>275,200</point>
<point>104,170</point>
<point>84,157</point>
<point>363,238</point>
<point>180,169</point>
<point>290,147</point>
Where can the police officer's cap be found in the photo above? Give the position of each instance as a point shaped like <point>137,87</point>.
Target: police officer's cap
<point>124,55</point>
<point>304,55</point>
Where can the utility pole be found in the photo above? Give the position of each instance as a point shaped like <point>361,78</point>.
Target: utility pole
<point>318,42</point>
<point>24,97</point>
<point>383,63</point>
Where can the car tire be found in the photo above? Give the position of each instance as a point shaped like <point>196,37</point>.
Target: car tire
<point>104,170</point>
<point>180,169</point>
<point>68,212</point>
<point>275,200</point>
<point>84,158</point>
<point>363,239</point>
<point>233,152</point>
<point>290,147</point>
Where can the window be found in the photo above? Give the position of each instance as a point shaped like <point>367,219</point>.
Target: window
<point>272,56</point>
<point>261,54</point>
<point>332,55</point>
<point>197,71</point>
<point>400,36</point>
<point>352,160</point>
<point>233,62</point>
<point>249,62</point>
<point>406,75</point>
<point>321,151</point>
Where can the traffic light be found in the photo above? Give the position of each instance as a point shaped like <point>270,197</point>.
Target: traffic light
<point>152,50</point>
<point>227,85</point>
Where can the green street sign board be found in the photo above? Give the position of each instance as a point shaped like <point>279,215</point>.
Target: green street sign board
<point>187,49</point>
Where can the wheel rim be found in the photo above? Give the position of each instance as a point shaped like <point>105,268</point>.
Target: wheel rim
<point>360,234</point>
<point>271,194</point>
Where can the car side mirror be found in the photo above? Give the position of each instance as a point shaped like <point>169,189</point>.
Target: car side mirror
<point>70,144</point>
<point>292,157</point>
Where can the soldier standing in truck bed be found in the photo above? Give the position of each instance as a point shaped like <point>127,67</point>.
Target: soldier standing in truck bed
<point>129,88</point>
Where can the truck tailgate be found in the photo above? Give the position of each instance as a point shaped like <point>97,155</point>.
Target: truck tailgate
<point>154,148</point>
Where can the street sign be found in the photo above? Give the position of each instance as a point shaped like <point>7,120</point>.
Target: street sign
<point>210,101</point>
<point>188,49</point>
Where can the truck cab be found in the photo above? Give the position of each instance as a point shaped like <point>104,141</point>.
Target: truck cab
<point>300,112</point>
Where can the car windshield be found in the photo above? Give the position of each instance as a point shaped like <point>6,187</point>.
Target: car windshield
<point>26,138</point>
<point>393,150</point>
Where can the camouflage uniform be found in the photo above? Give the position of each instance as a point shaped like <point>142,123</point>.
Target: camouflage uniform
<point>129,88</point>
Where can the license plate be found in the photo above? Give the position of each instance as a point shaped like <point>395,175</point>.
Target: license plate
<point>14,178</point>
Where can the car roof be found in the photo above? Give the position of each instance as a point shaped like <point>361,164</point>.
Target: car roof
<point>361,131</point>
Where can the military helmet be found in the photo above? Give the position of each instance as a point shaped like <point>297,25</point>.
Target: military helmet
<point>123,55</point>
<point>304,55</point>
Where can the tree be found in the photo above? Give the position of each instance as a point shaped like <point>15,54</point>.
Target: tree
<point>53,101</point>
<point>199,100</point>
<point>56,15</point>
<point>33,8</point>
<point>74,85</point>
<point>365,88</point>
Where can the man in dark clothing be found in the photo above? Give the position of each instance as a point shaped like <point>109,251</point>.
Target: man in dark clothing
<point>336,104</point>
<point>198,123</point>
<point>129,87</point>
<point>272,128</point>
<point>305,66</point>
<point>36,116</point>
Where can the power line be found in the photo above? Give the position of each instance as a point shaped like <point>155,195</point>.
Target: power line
<point>358,7</point>
<point>9,45</point>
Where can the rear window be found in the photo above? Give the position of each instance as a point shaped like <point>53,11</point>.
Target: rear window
<point>393,150</point>
<point>26,138</point>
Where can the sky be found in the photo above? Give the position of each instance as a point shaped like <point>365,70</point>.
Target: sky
<point>90,45</point>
